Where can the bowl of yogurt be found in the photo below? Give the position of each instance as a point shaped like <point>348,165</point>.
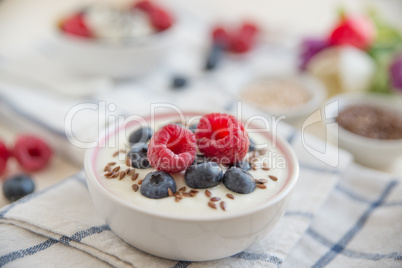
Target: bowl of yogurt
<point>114,41</point>
<point>190,222</point>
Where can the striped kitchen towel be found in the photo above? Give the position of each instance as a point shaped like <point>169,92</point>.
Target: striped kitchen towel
<point>358,226</point>
<point>60,226</point>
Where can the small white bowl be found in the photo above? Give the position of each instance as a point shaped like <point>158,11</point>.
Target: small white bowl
<point>314,88</point>
<point>97,57</point>
<point>370,152</point>
<point>198,238</point>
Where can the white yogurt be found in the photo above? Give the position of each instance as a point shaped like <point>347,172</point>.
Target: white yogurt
<point>198,205</point>
<point>117,25</point>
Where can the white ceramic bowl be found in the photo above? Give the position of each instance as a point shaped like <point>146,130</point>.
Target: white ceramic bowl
<point>369,152</point>
<point>198,238</point>
<point>96,57</point>
<point>315,89</point>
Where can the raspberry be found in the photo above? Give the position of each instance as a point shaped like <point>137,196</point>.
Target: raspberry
<point>75,25</point>
<point>4,155</point>
<point>222,138</point>
<point>172,149</point>
<point>31,152</point>
<point>145,5</point>
<point>243,40</point>
<point>160,19</point>
<point>219,35</point>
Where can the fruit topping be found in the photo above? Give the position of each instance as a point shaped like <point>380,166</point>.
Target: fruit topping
<point>222,138</point>
<point>156,185</point>
<point>17,187</point>
<point>4,155</point>
<point>31,152</point>
<point>138,156</point>
<point>204,175</point>
<point>244,165</point>
<point>172,148</point>
<point>140,135</point>
<point>179,82</point>
<point>76,25</point>
<point>238,180</point>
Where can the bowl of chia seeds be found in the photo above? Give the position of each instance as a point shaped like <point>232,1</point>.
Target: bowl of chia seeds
<point>369,126</point>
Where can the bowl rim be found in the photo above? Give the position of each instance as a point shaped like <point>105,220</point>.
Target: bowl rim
<point>283,193</point>
<point>312,85</point>
<point>154,40</point>
<point>350,98</point>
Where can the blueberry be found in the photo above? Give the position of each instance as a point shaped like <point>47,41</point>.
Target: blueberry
<point>214,56</point>
<point>202,176</point>
<point>140,135</point>
<point>193,127</point>
<point>156,184</point>
<point>138,156</point>
<point>18,187</point>
<point>251,147</point>
<point>179,82</point>
<point>244,165</point>
<point>200,158</point>
<point>239,181</point>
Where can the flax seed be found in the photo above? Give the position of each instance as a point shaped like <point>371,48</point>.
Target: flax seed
<point>215,199</point>
<point>122,151</point>
<point>223,205</point>
<point>194,191</point>
<point>107,169</point>
<point>177,199</point>
<point>183,189</point>
<point>230,196</point>
<point>111,163</point>
<point>128,162</point>
<point>135,187</point>
<point>131,172</point>
<point>110,173</point>
<point>115,153</point>
<point>254,167</point>
<point>265,168</point>
<point>122,175</point>
<point>140,182</point>
<point>176,194</point>
<point>134,176</point>
<point>261,186</point>
<point>116,169</point>
<point>115,175</point>
<point>187,195</point>
<point>127,171</point>
<point>170,193</point>
<point>212,205</point>
<point>208,193</point>
<point>272,177</point>
<point>263,180</point>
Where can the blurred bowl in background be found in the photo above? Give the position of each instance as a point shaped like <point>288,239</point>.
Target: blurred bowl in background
<point>112,57</point>
<point>294,96</point>
<point>371,152</point>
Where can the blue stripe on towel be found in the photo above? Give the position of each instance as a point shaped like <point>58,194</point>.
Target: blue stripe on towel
<point>341,244</point>
<point>78,236</point>
<point>257,256</point>
<point>182,264</point>
<point>353,253</point>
